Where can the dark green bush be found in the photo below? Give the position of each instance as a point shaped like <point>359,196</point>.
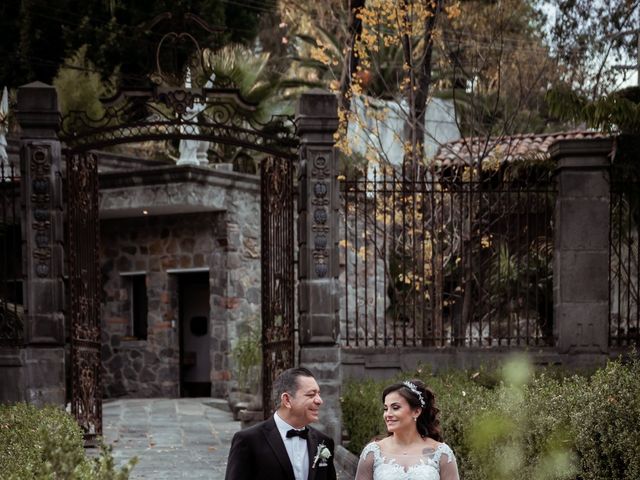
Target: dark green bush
<point>540,427</point>
<point>606,422</point>
<point>362,412</point>
<point>46,444</point>
<point>362,405</point>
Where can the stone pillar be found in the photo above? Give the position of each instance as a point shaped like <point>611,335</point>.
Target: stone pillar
<point>42,357</point>
<point>581,245</point>
<point>318,211</point>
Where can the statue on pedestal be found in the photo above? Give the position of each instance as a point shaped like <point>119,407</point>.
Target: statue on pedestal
<point>193,152</point>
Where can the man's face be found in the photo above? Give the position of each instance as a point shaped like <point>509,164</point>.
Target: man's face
<point>305,404</point>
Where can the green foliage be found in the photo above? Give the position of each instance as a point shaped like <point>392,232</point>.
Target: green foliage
<point>46,444</point>
<point>36,35</point>
<point>509,438</point>
<point>362,412</point>
<point>31,45</point>
<point>80,88</point>
<point>259,84</point>
<point>618,112</point>
<point>591,40</point>
<point>250,73</point>
<point>515,424</point>
<point>256,79</point>
<point>247,353</point>
<point>362,405</point>
<point>606,422</point>
<point>527,276</point>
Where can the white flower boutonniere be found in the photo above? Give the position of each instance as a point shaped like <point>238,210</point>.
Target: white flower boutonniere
<point>322,454</point>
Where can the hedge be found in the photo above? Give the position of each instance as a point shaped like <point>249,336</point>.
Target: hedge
<point>517,424</point>
<point>46,444</point>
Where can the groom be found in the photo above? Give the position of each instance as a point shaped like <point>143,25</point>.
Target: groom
<point>284,447</point>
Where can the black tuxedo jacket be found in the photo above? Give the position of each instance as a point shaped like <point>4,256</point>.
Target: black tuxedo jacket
<point>258,453</point>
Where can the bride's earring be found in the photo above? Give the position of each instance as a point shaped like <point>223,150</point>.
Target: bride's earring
<point>415,419</point>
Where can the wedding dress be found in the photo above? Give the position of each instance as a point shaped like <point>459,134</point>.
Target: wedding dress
<point>433,464</point>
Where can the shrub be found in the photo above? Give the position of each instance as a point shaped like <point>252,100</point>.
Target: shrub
<point>46,444</point>
<point>521,432</point>
<point>606,420</point>
<point>456,396</point>
<point>362,412</point>
<point>247,355</point>
<point>519,425</point>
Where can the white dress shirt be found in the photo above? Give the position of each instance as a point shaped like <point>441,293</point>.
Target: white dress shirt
<point>296,449</point>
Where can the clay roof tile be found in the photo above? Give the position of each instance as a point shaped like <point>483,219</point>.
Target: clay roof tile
<point>505,149</point>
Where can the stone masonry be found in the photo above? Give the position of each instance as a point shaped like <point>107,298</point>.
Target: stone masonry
<point>209,224</point>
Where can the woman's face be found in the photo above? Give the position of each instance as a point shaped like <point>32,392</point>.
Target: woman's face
<point>398,414</point>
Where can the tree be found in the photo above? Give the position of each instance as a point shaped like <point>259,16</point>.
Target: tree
<point>498,68</point>
<point>80,87</point>
<point>592,40</point>
<point>257,83</point>
<point>34,47</point>
<point>31,46</point>
<point>491,58</point>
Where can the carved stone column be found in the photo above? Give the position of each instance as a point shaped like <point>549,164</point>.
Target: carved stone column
<point>581,246</point>
<point>317,121</point>
<point>42,358</point>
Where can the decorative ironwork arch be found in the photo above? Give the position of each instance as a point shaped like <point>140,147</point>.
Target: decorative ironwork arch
<point>166,111</point>
<point>218,115</point>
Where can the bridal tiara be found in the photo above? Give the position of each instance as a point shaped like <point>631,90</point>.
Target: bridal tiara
<point>412,386</point>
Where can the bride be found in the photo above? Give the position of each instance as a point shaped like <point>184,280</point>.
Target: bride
<point>414,449</point>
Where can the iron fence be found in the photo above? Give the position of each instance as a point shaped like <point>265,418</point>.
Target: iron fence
<point>624,272</point>
<point>11,303</point>
<point>446,262</point>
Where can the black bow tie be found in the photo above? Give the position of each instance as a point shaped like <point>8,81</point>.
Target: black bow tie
<point>304,433</point>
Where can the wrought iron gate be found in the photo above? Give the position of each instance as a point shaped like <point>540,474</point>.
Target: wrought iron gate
<point>278,269</point>
<point>84,284</point>
<point>176,105</point>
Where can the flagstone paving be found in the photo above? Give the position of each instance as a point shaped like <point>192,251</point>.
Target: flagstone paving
<point>172,438</point>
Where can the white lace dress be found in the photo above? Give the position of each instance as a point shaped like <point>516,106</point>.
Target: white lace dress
<point>432,464</point>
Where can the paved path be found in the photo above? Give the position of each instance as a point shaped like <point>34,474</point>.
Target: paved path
<point>172,438</point>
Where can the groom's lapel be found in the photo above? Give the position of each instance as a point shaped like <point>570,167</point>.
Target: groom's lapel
<point>274,440</point>
<point>312,446</point>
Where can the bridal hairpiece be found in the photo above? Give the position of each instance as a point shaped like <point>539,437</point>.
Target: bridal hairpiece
<point>412,386</point>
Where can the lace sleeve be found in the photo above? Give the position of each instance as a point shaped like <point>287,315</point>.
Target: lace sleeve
<point>365,465</point>
<point>448,465</point>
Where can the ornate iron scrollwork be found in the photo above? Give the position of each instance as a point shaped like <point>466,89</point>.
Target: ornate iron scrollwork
<point>84,283</point>
<point>277,272</point>
<point>164,109</point>
<point>161,111</point>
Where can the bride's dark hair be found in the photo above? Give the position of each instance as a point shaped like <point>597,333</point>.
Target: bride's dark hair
<point>428,423</point>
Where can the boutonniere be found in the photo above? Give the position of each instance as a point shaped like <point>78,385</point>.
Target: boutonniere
<point>322,454</point>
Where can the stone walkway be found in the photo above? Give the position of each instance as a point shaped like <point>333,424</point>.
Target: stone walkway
<point>172,438</point>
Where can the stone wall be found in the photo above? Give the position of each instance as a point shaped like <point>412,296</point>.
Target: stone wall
<point>386,363</point>
<point>147,368</point>
<point>210,224</point>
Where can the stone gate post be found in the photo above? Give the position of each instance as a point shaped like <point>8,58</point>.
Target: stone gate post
<point>581,246</point>
<point>317,121</point>
<point>42,358</point>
